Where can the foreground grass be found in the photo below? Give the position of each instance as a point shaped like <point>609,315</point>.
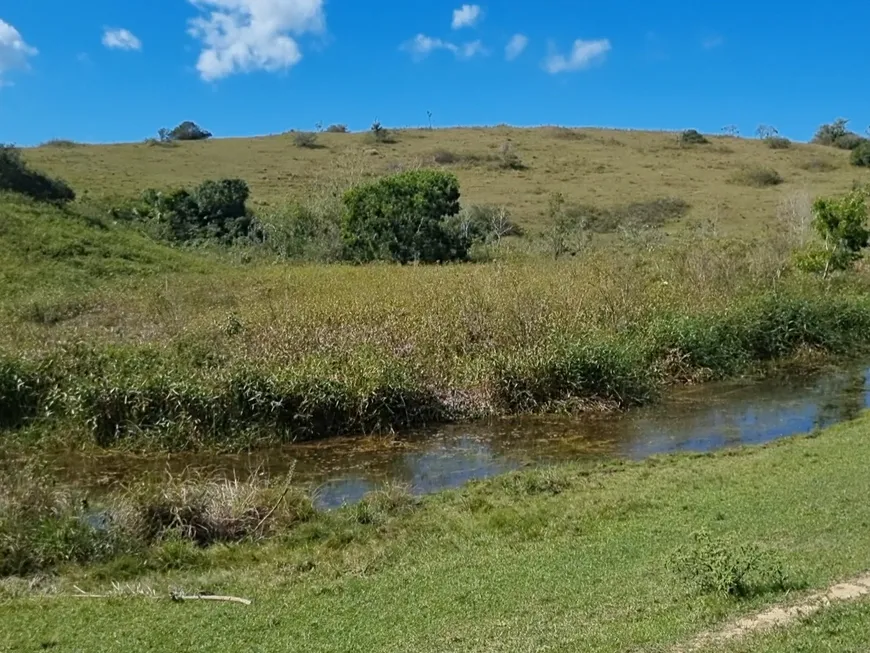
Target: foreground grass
<point>563,559</point>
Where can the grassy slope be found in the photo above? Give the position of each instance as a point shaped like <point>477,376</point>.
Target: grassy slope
<point>65,250</point>
<point>499,566</point>
<point>598,167</point>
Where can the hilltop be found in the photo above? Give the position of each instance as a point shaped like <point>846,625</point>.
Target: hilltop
<point>594,167</point>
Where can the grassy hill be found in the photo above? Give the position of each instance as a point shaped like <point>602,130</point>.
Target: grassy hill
<point>601,168</point>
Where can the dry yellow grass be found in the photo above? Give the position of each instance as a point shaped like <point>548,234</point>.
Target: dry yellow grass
<point>590,166</point>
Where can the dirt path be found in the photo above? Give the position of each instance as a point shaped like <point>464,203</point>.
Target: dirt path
<point>781,615</point>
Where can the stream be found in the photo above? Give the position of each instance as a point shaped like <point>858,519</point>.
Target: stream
<point>701,418</point>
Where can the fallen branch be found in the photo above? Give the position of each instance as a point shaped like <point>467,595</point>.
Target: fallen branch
<point>173,596</point>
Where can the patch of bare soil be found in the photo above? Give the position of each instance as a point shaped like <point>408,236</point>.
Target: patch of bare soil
<point>781,615</point>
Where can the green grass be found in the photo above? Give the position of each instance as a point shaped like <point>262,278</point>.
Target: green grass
<point>591,167</point>
<point>49,251</point>
<point>110,336</point>
<point>569,558</point>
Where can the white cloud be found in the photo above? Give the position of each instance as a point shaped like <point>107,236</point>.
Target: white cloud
<point>14,52</point>
<point>583,55</point>
<point>516,46</point>
<point>421,46</point>
<point>467,16</point>
<point>121,39</point>
<point>240,36</point>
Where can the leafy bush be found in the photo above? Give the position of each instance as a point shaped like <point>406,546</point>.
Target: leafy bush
<point>305,139</point>
<point>404,218</point>
<point>301,232</point>
<point>693,137</point>
<point>187,131</point>
<point>17,177</point>
<point>758,176</point>
<point>337,129</point>
<point>777,142</point>
<point>842,225</point>
<point>837,135</point>
<point>718,566</point>
<point>861,155</point>
<point>215,210</point>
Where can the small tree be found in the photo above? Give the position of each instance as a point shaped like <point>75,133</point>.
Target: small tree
<point>404,218</point>
<point>337,129</point>
<point>189,131</point>
<point>567,233</point>
<point>766,131</point>
<point>731,130</point>
<point>16,176</point>
<point>837,135</point>
<point>380,133</point>
<point>861,155</point>
<point>841,222</point>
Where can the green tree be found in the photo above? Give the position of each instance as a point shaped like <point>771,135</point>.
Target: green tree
<point>404,218</point>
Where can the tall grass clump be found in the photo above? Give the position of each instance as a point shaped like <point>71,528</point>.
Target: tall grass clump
<point>161,521</point>
<point>43,526</point>
<point>206,510</point>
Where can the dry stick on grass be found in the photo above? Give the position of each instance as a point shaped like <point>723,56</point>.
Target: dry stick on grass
<point>174,596</point>
<point>280,499</point>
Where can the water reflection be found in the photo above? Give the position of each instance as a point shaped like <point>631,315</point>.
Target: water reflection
<point>705,418</point>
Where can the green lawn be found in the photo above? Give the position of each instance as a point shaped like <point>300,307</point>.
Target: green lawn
<point>561,560</point>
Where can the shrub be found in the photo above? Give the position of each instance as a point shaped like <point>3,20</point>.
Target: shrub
<point>836,135</point>
<point>637,215</point>
<point>777,142</point>
<point>842,224</point>
<point>215,210</point>
<point>486,224</point>
<point>188,131</point>
<point>305,139</point>
<point>304,233</point>
<point>60,143</point>
<point>758,176</point>
<point>446,157</point>
<point>818,165</point>
<point>16,176</point>
<point>381,134</point>
<point>508,159</point>
<point>337,129</point>
<point>693,137</point>
<point>404,218</point>
<point>861,155</point>
<point>718,566</point>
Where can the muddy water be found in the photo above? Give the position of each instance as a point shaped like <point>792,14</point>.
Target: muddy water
<point>702,418</point>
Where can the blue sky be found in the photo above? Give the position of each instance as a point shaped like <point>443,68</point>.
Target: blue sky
<point>107,70</point>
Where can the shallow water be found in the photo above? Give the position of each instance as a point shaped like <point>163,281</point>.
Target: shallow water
<point>702,418</point>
